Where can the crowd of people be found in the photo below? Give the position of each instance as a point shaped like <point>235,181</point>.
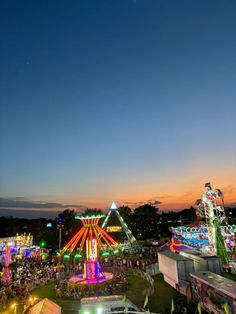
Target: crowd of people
<point>28,274</point>
<point>31,273</point>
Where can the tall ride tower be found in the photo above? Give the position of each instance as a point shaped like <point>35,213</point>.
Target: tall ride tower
<point>208,207</point>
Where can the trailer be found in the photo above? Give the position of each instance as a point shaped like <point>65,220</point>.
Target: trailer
<point>176,270</point>
<point>204,262</point>
<point>213,292</point>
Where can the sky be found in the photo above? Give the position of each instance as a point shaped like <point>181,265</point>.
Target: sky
<point>126,100</point>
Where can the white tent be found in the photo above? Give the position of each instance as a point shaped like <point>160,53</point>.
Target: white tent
<point>45,306</point>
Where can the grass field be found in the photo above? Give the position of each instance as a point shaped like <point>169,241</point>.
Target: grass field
<point>134,292</point>
<point>159,302</point>
<point>230,276</point>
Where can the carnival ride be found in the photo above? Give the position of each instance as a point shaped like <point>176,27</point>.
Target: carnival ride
<point>11,248</point>
<point>6,276</point>
<point>21,245</point>
<point>94,239</point>
<point>133,243</point>
<point>213,235</point>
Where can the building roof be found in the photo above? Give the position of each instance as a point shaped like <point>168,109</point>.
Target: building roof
<point>45,306</point>
<point>218,282</point>
<point>174,256</point>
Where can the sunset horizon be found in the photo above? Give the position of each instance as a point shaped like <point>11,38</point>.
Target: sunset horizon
<point>163,201</point>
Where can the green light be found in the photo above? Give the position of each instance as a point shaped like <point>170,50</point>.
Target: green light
<point>89,217</point>
<point>78,255</point>
<point>66,256</point>
<point>58,254</point>
<point>105,254</point>
<point>42,243</point>
<point>116,251</point>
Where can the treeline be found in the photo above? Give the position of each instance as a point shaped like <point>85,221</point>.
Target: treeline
<point>145,222</point>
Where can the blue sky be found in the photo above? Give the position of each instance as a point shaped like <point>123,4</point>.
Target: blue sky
<point>126,100</point>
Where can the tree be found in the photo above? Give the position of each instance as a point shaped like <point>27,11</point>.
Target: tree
<point>92,211</point>
<point>126,214</point>
<point>145,220</point>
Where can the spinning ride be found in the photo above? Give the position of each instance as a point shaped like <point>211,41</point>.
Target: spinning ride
<point>94,239</point>
<point>6,276</point>
<point>213,236</point>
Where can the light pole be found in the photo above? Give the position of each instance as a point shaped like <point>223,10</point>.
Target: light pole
<point>60,226</point>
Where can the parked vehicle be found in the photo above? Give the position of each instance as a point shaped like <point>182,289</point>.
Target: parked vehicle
<point>107,304</point>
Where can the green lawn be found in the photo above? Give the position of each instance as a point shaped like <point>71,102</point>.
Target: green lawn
<point>135,289</point>
<point>134,292</point>
<point>230,276</point>
<point>159,302</point>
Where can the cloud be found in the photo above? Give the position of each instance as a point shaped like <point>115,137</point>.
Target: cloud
<point>187,194</point>
<point>22,202</point>
<point>229,189</point>
<point>133,203</point>
<point>163,196</point>
<point>129,203</point>
<point>30,214</point>
<point>154,202</point>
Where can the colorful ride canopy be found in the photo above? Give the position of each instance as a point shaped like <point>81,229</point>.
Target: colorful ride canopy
<point>88,233</point>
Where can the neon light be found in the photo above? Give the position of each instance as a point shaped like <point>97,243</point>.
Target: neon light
<point>113,206</point>
<point>90,249</point>
<point>93,250</point>
<point>78,255</point>
<point>87,249</point>
<point>89,217</point>
<point>91,236</point>
<point>114,229</point>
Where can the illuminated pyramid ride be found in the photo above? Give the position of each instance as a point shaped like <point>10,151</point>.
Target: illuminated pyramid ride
<point>93,238</point>
<point>131,239</point>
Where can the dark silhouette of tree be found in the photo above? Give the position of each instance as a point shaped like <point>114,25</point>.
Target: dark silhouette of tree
<point>92,211</point>
<point>126,214</point>
<point>145,219</point>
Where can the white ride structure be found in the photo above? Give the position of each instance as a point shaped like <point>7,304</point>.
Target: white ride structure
<point>211,207</point>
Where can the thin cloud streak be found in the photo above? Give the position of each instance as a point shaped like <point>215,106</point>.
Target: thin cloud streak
<point>22,202</point>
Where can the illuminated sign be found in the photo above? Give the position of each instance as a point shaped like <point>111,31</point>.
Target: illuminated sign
<point>94,253</point>
<point>114,229</point>
<point>19,241</point>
